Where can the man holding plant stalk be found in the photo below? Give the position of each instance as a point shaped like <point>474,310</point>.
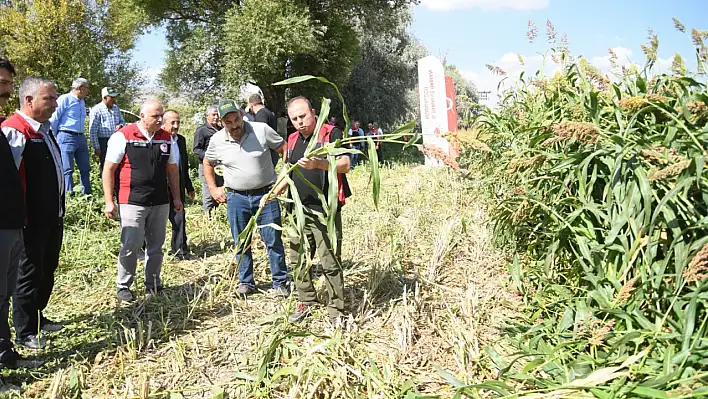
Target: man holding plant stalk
<point>243,150</point>
<point>315,171</point>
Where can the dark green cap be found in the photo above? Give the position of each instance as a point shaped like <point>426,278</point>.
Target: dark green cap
<point>109,91</point>
<point>227,106</point>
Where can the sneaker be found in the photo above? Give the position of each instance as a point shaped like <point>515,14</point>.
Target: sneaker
<point>302,312</point>
<point>243,289</point>
<point>125,295</point>
<point>50,326</point>
<point>281,291</point>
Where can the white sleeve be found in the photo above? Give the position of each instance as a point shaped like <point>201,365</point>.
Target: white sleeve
<point>17,144</point>
<point>116,148</point>
<point>173,154</point>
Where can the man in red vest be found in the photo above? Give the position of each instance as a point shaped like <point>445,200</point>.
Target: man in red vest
<point>141,154</point>
<point>315,172</point>
<point>12,220</point>
<point>37,155</point>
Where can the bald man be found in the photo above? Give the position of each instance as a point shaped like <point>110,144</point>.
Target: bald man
<point>141,158</point>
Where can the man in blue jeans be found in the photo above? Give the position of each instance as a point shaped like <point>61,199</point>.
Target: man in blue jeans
<point>242,150</point>
<point>67,124</point>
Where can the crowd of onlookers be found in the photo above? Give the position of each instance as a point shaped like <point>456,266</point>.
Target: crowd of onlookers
<point>145,177</point>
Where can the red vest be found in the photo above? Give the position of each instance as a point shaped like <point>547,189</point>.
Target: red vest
<point>142,174</point>
<point>322,138</point>
<point>38,175</point>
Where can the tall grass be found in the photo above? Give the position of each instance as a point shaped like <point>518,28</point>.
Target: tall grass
<point>599,188</point>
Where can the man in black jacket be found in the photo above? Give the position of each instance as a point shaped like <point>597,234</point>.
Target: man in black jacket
<point>36,152</point>
<point>264,115</point>
<point>179,247</point>
<point>201,142</point>
<point>12,220</point>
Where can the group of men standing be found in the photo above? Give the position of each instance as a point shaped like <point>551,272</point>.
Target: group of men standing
<point>145,177</point>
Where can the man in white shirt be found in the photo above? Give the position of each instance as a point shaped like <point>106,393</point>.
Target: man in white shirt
<point>141,154</point>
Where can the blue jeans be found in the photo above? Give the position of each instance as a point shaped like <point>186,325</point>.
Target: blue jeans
<point>239,210</point>
<point>73,146</point>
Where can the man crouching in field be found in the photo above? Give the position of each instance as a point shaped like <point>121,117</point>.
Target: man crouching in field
<point>142,155</point>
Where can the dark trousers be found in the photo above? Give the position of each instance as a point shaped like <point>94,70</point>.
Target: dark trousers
<point>35,277</point>
<point>208,203</point>
<point>103,145</point>
<point>179,231</point>
<point>11,252</point>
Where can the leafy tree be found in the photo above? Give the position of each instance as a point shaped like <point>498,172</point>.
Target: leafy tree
<point>65,39</point>
<point>293,44</point>
<point>215,47</point>
<point>379,84</point>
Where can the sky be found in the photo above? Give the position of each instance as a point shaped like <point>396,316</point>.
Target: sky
<point>472,33</point>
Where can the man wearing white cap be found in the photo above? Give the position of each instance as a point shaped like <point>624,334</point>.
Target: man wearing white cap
<point>105,119</point>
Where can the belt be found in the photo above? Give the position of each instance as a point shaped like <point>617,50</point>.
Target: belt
<point>256,191</point>
<point>70,132</point>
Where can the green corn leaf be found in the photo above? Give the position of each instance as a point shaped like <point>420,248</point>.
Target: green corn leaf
<point>333,199</point>
<point>515,272</point>
<point>449,377</point>
<point>218,393</point>
<point>243,376</point>
<point>690,321</point>
<point>699,160</point>
<point>285,371</point>
<point>375,175</point>
<point>566,321</point>
<point>650,393</point>
<point>304,78</point>
<point>322,118</point>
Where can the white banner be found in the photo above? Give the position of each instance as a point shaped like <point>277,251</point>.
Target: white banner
<point>433,105</point>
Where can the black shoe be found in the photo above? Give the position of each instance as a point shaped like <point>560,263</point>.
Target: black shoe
<point>125,295</point>
<point>153,291</point>
<point>6,387</point>
<point>183,256</point>
<point>33,342</point>
<point>10,359</point>
<point>50,326</point>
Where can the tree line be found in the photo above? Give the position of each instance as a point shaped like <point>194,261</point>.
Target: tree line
<point>215,47</point>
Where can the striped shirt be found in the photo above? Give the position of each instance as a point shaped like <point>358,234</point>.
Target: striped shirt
<point>103,122</point>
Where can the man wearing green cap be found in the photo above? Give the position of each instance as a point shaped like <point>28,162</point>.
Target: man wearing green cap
<point>242,149</point>
<point>105,119</point>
